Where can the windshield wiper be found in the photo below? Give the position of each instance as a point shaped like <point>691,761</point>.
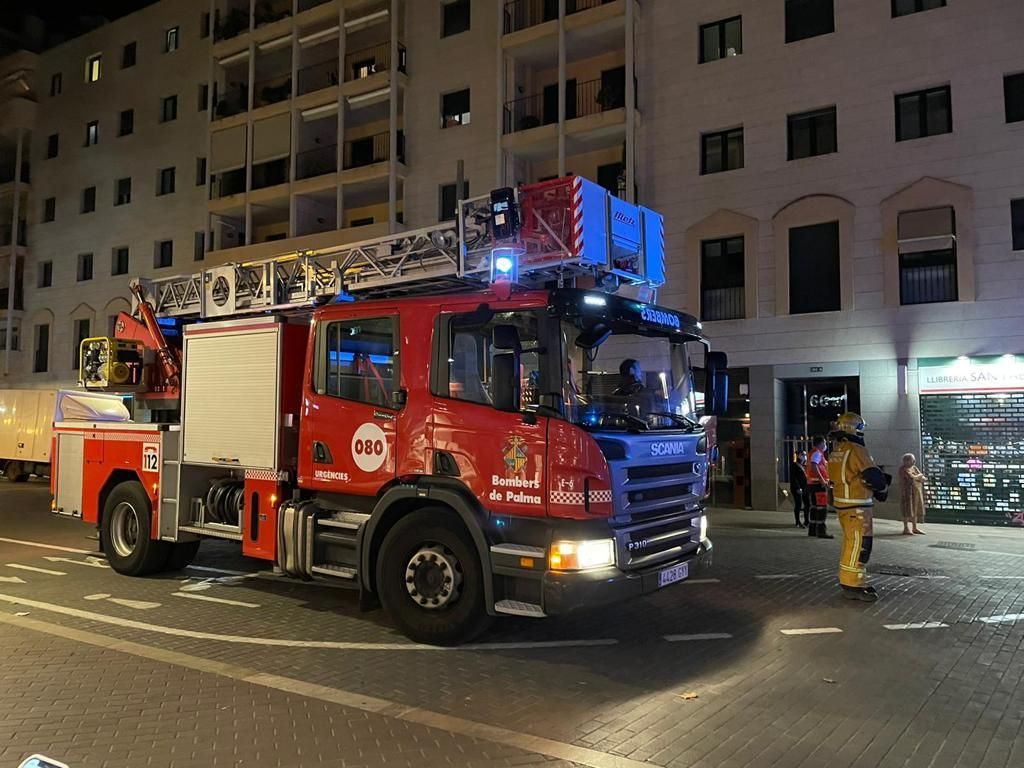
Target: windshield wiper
<point>678,419</point>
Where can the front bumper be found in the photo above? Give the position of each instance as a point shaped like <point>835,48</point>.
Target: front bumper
<point>563,592</point>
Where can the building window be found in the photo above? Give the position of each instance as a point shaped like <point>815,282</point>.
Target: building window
<point>164,254</point>
<point>448,198</point>
<point>454,17</point>
<point>93,68</point>
<point>88,199</point>
<point>204,25</point>
<point>809,18</point>
<point>927,255</point>
<point>56,84</point>
<point>84,267</point>
<point>128,56</point>
<point>82,332</point>
<point>49,209</point>
<point>199,247</point>
<point>127,122</point>
<point>814,268</point>
<point>119,261</point>
<point>1017,223</point>
<point>812,133</point>
<point>168,109</point>
<point>907,7</point>
<point>204,95</point>
<point>52,145</point>
<point>359,361</point>
<point>171,40</point>
<point>45,274</point>
<point>92,133</point>
<point>41,358</point>
<point>1013,95</point>
<point>923,113</point>
<point>455,108</point>
<point>721,151</point>
<point>722,294</point>
<point>165,183</point>
<point>721,39</point>
<point>123,193</point>
<point>200,171</point>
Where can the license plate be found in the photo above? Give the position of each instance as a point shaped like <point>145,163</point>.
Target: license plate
<point>673,574</point>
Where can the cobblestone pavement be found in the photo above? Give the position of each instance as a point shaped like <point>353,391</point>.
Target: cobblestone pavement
<point>755,662</point>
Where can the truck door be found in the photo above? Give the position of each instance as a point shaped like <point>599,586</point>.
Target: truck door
<point>348,432</point>
<point>500,455</point>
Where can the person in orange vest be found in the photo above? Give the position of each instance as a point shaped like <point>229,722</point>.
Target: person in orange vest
<point>858,482</point>
<point>817,490</point>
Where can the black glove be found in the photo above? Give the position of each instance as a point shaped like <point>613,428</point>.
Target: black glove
<point>881,495</point>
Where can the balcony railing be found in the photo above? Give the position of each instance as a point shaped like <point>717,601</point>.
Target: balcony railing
<point>929,277</point>
<point>371,149</point>
<point>234,102</point>
<point>273,89</point>
<point>305,5</point>
<point>316,162</point>
<point>722,303</point>
<point>268,13</point>
<point>234,23</point>
<point>270,173</point>
<point>581,99</point>
<point>369,61</point>
<point>317,76</point>
<point>520,14</point>
<point>227,183</point>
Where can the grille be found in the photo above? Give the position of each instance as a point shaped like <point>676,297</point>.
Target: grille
<point>659,470</point>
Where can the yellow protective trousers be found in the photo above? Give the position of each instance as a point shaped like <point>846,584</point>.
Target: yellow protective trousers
<point>857,539</point>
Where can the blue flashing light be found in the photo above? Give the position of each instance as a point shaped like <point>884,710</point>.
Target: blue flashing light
<point>503,264</point>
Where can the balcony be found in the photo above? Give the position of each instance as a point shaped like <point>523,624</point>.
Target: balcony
<point>234,102</point>
<point>235,21</point>
<point>273,89</point>
<point>227,183</point>
<point>523,14</point>
<point>318,76</point>
<point>316,162</point>
<point>581,99</point>
<point>370,150</point>
<point>368,69</point>
<point>723,303</point>
<point>269,12</point>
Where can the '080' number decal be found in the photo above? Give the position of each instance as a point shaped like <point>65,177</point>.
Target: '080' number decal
<point>369,447</point>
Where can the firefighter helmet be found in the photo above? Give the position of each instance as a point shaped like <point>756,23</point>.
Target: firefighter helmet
<point>851,423</point>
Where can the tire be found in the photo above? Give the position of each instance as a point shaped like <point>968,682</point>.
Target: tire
<point>181,555</point>
<point>13,472</point>
<point>462,614</point>
<point>124,532</point>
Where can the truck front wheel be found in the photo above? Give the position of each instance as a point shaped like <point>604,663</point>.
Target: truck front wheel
<point>124,532</point>
<point>430,579</point>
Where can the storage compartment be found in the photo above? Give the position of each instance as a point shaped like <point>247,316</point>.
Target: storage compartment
<point>71,455</point>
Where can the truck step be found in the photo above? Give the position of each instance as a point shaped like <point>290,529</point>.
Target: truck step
<point>338,571</point>
<point>343,519</point>
<point>518,608</point>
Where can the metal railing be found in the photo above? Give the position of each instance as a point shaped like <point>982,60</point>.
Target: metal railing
<point>371,149</point>
<point>227,183</point>
<point>521,14</point>
<point>316,161</point>
<point>369,61</point>
<point>268,13</point>
<point>722,303</point>
<point>270,174</point>
<point>587,98</point>
<point>526,112</point>
<point>232,103</point>
<point>929,282</point>
<point>273,89</point>
<point>317,76</point>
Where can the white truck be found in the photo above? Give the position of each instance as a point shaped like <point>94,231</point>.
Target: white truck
<point>26,432</point>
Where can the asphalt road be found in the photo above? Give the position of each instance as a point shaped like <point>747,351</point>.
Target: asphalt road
<point>756,661</point>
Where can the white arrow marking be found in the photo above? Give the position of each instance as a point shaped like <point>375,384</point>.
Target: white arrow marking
<point>917,625</point>
<point>209,599</point>
<point>140,605</point>
<point>100,596</point>
<point>1003,618</point>
<point>90,563</point>
<point>12,580</point>
<point>32,568</point>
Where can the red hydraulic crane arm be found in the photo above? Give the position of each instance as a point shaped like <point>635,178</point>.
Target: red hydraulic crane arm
<point>170,367</point>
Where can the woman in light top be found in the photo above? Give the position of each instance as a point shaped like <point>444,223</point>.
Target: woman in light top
<point>911,495</point>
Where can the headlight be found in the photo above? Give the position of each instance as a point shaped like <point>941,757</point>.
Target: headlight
<point>703,527</point>
<point>581,555</point>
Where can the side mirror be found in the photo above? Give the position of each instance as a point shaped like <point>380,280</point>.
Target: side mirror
<point>716,391</point>
<point>506,350</point>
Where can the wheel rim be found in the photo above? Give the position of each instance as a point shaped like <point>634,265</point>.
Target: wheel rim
<point>433,577</point>
<point>124,529</point>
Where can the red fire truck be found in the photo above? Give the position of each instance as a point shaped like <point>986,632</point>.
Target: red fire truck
<point>447,419</point>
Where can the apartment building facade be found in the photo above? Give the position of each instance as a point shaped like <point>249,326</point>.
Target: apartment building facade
<point>843,183</point>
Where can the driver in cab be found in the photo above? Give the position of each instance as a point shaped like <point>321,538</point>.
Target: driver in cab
<point>640,400</point>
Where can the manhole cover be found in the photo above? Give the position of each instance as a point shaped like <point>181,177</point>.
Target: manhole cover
<point>902,570</point>
<point>952,545</point>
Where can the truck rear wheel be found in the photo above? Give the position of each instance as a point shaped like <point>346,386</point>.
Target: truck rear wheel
<point>13,472</point>
<point>124,532</point>
<point>430,579</point>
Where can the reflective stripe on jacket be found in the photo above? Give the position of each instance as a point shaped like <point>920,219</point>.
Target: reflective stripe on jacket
<point>846,464</point>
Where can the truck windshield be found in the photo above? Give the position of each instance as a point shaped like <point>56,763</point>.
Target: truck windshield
<point>627,381</point>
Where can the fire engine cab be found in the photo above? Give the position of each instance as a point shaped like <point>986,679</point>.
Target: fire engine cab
<point>480,418</point>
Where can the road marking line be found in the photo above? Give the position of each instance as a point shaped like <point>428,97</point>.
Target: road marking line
<point>1003,577</point>
<point>704,636</point>
<point>90,563</point>
<point>812,631</point>
<point>248,574</point>
<point>49,546</point>
<point>701,581</point>
<point>285,643</point>
<point>1003,618</point>
<point>209,599</point>
<point>139,605</point>
<point>383,707</point>
<point>917,625</point>
<point>12,580</point>
<point>772,576</point>
<point>99,596</point>
<point>36,570</point>
<point>994,552</point>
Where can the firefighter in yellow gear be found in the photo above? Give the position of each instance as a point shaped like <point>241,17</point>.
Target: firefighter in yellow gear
<point>857,483</point>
